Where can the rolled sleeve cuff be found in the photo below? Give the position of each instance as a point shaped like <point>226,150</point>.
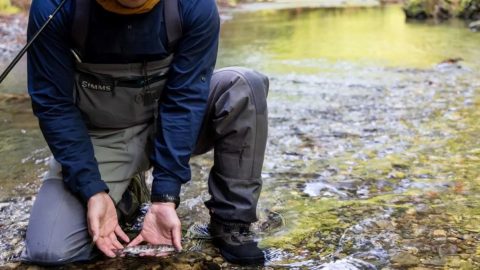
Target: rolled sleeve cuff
<point>166,191</point>
<point>91,189</point>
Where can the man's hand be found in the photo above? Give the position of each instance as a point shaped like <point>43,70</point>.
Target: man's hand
<point>103,224</point>
<point>160,226</point>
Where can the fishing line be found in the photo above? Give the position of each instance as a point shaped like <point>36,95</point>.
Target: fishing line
<point>27,46</point>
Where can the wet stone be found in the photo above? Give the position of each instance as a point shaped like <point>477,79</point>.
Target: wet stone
<point>422,209</point>
<point>405,259</point>
<point>411,211</point>
<point>418,231</point>
<point>448,249</point>
<point>191,257</point>
<point>34,267</point>
<point>464,256</point>
<point>11,265</point>
<point>218,260</point>
<point>383,224</point>
<point>439,234</point>
<point>412,250</point>
<point>437,261</point>
<point>455,262</point>
<point>453,240</point>
<point>181,267</point>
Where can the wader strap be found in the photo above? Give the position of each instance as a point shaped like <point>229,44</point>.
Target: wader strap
<point>173,23</point>
<point>81,20</point>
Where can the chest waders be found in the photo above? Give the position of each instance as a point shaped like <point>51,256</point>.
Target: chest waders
<point>119,104</point>
<point>119,96</point>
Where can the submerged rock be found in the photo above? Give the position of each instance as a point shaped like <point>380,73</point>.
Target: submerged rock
<point>347,264</point>
<point>405,259</point>
<point>474,26</point>
<point>439,234</point>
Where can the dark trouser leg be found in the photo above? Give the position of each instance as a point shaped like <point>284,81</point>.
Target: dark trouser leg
<point>236,127</point>
<point>57,231</point>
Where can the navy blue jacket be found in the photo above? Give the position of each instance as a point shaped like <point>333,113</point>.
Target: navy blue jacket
<point>50,84</point>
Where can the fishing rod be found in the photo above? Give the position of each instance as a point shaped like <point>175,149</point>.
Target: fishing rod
<point>27,46</point>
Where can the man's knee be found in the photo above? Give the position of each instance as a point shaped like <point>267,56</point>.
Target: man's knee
<point>250,75</point>
<point>57,232</point>
<point>246,83</point>
<point>54,253</point>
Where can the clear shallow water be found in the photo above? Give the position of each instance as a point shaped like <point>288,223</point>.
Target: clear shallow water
<point>372,156</point>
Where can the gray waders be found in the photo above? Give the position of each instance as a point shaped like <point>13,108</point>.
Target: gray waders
<point>235,126</point>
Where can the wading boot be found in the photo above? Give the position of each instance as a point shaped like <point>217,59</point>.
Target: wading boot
<point>236,243</point>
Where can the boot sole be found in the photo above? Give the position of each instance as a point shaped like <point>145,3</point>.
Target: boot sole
<point>244,260</point>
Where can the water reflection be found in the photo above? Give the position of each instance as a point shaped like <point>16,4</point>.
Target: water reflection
<point>378,36</point>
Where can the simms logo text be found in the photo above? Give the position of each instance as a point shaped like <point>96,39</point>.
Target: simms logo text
<point>100,87</point>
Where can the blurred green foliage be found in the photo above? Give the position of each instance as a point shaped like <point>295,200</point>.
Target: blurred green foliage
<point>6,7</point>
<point>470,9</point>
<point>442,9</point>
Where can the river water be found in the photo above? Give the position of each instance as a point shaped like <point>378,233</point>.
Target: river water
<point>373,154</point>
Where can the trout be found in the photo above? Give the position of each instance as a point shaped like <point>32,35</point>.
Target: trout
<point>150,250</point>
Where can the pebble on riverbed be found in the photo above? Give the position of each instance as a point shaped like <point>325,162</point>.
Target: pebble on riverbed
<point>404,259</point>
<point>439,234</point>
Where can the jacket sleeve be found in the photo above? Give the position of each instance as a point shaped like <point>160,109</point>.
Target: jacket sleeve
<point>50,85</point>
<point>184,101</point>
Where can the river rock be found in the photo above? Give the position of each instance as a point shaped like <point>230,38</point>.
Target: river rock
<point>405,259</point>
<point>437,261</point>
<point>218,260</point>
<point>439,234</point>
<point>411,211</point>
<point>474,26</point>
<point>422,209</point>
<point>383,224</point>
<point>11,265</point>
<point>453,240</point>
<point>455,262</point>
<point>418,230</point>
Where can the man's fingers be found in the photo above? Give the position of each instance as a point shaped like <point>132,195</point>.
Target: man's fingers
<point>116,244</point>
<point>108,252</point>
<point>177,238</point>
<point>119,232</point>
<point>136,241</point>
<point>105,246</point>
